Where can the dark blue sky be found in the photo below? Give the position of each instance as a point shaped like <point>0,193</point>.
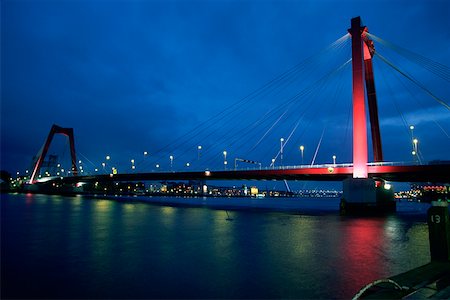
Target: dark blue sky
<point>134,76</point>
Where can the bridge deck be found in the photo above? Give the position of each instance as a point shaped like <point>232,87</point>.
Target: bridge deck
<point>416,173</point>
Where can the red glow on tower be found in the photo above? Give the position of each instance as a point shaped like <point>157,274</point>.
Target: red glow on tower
<point>359,106</point>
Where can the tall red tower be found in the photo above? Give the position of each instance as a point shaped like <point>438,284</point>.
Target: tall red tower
<point>54,130</point>
<point>362,52</point>
<point>360,193</point>
<point>359,104</point>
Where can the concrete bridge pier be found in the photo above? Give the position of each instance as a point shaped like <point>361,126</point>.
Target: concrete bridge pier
<point>366,196</point>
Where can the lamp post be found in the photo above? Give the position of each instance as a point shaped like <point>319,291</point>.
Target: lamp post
<point>334,160</point>
<point>171,162</point>
<point>281,150</point>
<point>132,164</point>
<point>199,149</point>
<point>415,149</point>
<point>145,159</point>
<point>225,159</point>
<point>273,163</point>
<point>302,148</point>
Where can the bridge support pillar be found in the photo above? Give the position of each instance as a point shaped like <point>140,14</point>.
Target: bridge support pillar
<point>366,196</point>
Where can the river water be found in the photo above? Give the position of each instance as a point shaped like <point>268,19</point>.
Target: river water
<point>79,247</point>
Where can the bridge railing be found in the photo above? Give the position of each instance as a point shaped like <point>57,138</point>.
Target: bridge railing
<point>287,167</point>
<point>330,165</point>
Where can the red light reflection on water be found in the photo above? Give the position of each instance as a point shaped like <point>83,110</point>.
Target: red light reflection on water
<point>363,255</point>
<point>29,198</point>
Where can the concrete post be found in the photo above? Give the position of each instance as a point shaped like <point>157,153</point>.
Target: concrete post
<point>439,231</point>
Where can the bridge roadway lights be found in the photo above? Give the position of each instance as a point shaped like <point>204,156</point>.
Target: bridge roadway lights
<point>362,196</point>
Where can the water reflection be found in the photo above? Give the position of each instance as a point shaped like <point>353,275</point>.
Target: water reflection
<point>109,249</point>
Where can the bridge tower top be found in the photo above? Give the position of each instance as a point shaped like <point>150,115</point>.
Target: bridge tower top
<point>55,130</point>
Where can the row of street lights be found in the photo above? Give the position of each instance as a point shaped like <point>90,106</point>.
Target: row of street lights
<point>225,161</point>
<point>302,149</point>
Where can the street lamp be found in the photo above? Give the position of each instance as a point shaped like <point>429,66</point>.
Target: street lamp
<point>171,162</point>
<point>108,157</point>
<point>199,148</point>
<point>415,141</point>
<point>225,159</point>
<point>273,162</point>
<point>411,127</point>
<point>301,150</point>
<point>415,148</point>
<point>281,150</point>
<point>334,160</point>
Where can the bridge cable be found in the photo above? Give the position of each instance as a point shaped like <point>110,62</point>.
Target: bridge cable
<point>414,96</point>
<point>400,113</point>
<point>436,68</point>
<point>302,115</point>
<point>253,95</point>
<point>230,109</point>
<point>440,101</point>
<point>320,82</point>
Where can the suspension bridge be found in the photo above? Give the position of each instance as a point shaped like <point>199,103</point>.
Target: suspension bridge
<point>244,132</point>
